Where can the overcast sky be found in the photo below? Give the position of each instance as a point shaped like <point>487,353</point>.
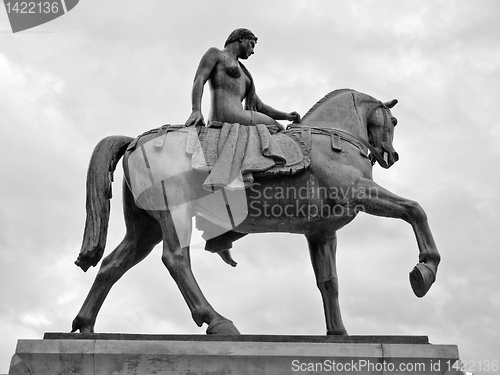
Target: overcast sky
<point>124,67</point>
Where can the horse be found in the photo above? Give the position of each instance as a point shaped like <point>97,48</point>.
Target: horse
<point>345,133</point>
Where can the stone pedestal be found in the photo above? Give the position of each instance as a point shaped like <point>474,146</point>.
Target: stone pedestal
<point>113,354</point>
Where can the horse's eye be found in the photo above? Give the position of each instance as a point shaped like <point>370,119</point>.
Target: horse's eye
<point>394,121</point>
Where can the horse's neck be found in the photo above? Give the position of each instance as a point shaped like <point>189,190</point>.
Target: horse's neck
<point>340,113</point>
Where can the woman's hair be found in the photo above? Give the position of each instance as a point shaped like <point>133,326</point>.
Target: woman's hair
<point>240,34</point>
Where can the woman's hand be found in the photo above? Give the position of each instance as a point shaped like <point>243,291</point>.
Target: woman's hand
<point>196,118</point>
<point>293,116</point>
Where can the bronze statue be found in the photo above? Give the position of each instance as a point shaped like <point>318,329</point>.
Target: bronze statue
<point>343,135</point>
<point>230,82</point>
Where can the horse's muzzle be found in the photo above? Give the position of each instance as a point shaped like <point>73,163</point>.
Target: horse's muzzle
<point>389,158</point>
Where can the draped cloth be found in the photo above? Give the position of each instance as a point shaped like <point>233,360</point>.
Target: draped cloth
<point>233,152</point>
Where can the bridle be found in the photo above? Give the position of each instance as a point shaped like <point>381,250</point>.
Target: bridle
<point>363,145</point>
<point>374,154</point>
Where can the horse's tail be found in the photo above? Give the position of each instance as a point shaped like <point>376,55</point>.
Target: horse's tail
<point>103,162</point>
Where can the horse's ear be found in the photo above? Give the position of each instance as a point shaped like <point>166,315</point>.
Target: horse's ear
<point>391,104</point>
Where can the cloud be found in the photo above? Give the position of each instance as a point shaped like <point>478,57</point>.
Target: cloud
<point>126,68</point>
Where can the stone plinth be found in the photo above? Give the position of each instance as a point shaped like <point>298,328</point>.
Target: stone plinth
<point>109,354</point>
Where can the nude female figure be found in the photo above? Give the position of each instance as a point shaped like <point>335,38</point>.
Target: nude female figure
<point>230,82</point>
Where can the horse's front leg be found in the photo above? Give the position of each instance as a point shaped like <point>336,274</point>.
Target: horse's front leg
<point>323,253</point>
<point>374,199</point>
<point>176,229</point>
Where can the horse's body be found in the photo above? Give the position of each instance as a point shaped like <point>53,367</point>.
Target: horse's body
<point>317,202</point>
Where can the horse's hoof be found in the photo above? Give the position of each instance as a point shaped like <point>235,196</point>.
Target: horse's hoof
<point>80,325</point>
<point>223,327</point>
<point>421,279</point>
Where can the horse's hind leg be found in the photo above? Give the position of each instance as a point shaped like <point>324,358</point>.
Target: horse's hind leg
<point>143,233</point>
<point>177,260</point>
<point>376,200</point>
<point>323,260</point>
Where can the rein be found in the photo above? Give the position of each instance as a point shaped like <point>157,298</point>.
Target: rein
<point>336,135</point>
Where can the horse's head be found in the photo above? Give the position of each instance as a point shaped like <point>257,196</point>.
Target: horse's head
<point>381,124</point>
<point>346,109</point>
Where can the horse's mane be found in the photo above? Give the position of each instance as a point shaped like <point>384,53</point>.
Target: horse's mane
<point>325,98</point>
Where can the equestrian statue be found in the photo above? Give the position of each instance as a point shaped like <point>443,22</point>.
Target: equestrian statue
<point>244,173</point>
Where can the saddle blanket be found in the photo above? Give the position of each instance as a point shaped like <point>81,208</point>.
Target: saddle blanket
<point>233,153</point>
